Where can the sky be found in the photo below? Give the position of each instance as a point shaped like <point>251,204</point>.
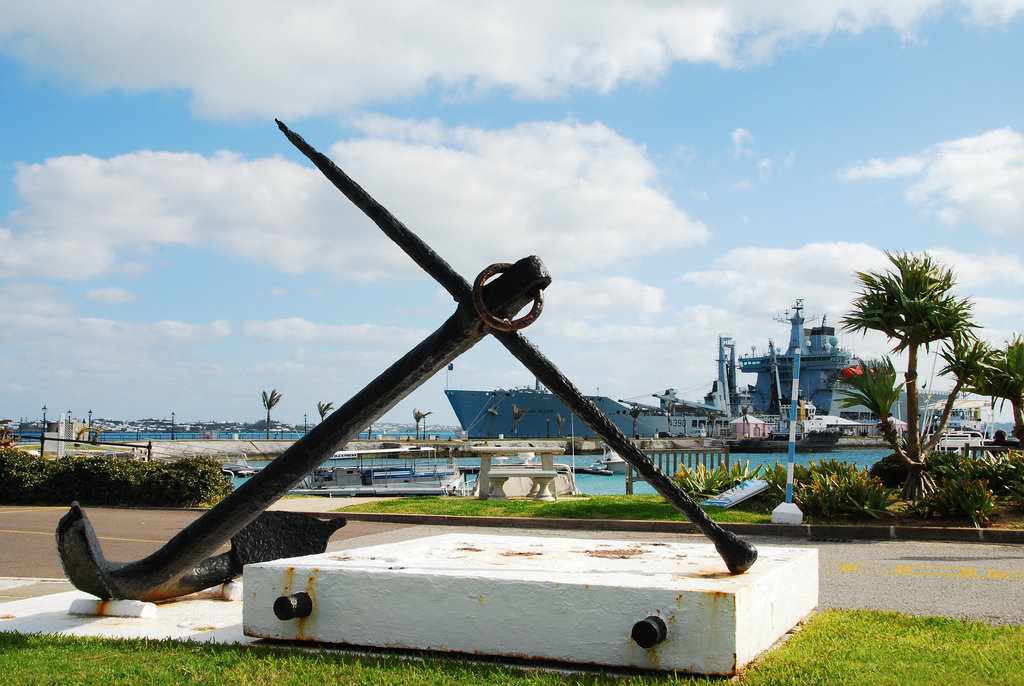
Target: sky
<point>684,169</point>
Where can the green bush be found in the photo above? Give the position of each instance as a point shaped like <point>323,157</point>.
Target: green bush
<point>838,488</point>
<point>959,496</point>
<point>22,477</point>
<point>831,488</point>
<point>998,472</point>
<point>776,478</point>
<point>101,481</point>
<point>890,471</point>
<point>701,483</point>
<point>1016,493</point>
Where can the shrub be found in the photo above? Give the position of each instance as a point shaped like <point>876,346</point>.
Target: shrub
<point>890,471</point>
<point>998,472</point>
<point>22,477</point>
<point>1016,493</point>
<point>188,483</point>
<point>776,478</point>
<point>701,483</point>
<point>959,496</point>
<point>831,489</point>
<point>30,480</point>
<point>837,488</point>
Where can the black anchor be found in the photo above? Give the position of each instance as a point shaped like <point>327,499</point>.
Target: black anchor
<point>187,562</point>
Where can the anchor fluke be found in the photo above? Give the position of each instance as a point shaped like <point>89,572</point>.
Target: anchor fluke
<point>271,536</point>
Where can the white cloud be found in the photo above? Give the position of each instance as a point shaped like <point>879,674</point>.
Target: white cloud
<point>580,195</point>
<point>110,296</point>
<point>299,330</point>
<point>316,56</point>
<point>602,298</point>
<point>753,279</point>
<point>741,139</point>
<point>184,332</point>
<point>33,300</point>
<point>978,179</point>
<point>884,169</point>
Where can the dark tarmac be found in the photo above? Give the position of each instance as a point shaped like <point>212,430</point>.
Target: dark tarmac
<point>28,547</point>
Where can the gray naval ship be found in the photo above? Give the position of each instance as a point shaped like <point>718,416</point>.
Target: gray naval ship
<point>491,414</point>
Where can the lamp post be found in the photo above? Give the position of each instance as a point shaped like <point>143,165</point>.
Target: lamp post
<point>172,426</point>
<point>303,423</point>
<point>42,436</point>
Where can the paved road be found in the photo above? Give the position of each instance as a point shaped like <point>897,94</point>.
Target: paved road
<point>28,547</point>
<point>978,581</point>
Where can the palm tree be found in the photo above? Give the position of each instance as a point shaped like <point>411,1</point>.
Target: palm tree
<point>875,388</point>
<point>323,409</point>
<point>913,304</point>
<point>517,414</point>
<point>559,419</point>
<point>635,411</point>
<point>419,417</point>
<point>1003,377</point>
<point>745,411</point>
<point>713,423</point>
<point>268,402</point>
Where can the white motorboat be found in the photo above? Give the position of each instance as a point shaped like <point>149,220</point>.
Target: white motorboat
<point>408,470</point>
<point>611,461</point>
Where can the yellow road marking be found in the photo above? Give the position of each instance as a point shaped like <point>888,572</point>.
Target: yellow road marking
<point>32,509</point>
<point>948,571</point>
<point>102,538</point>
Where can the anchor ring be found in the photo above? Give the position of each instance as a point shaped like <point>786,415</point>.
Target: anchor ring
<point>503,323</point>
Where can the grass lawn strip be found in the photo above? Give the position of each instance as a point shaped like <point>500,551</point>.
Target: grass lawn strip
<point>834,647</point>
<point>623,507</point>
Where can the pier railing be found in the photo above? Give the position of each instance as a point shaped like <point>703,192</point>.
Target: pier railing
<point>670,460</point>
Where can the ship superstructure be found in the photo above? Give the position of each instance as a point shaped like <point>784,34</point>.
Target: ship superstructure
<point>537,413</point>
<point>821,364</point>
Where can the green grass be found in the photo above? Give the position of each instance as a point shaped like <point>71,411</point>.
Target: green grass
<point>834,647</point>
<point>626,507</point>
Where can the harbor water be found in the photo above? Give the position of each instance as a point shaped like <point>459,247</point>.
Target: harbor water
<point>590,484</point>
<point>615,484</point>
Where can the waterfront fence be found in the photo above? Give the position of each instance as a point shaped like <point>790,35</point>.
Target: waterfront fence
<point>670,460</point>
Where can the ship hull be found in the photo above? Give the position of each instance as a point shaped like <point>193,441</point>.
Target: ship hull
<point>823,442</point>
<point>489,414</point>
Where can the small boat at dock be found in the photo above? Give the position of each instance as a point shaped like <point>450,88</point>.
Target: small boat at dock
<point>403,471</point>
<point>611,461</point>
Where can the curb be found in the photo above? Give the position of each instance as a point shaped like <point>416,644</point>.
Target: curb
<point>831,532</point>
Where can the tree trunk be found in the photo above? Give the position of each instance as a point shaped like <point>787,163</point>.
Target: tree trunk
<point>918,483</point>
<point>913,418</point>
<point>1018,420</point>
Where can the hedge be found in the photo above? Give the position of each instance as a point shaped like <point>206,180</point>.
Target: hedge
<point>103,481</point>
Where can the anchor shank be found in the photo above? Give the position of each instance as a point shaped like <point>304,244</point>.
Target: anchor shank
<point>421,253</point>
<point>737,554</point>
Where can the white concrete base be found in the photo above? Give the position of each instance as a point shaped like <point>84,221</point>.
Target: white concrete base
<point>198,618</point>
<point>112,608</point>
<point>787,513</point>
<point>572,600</point>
